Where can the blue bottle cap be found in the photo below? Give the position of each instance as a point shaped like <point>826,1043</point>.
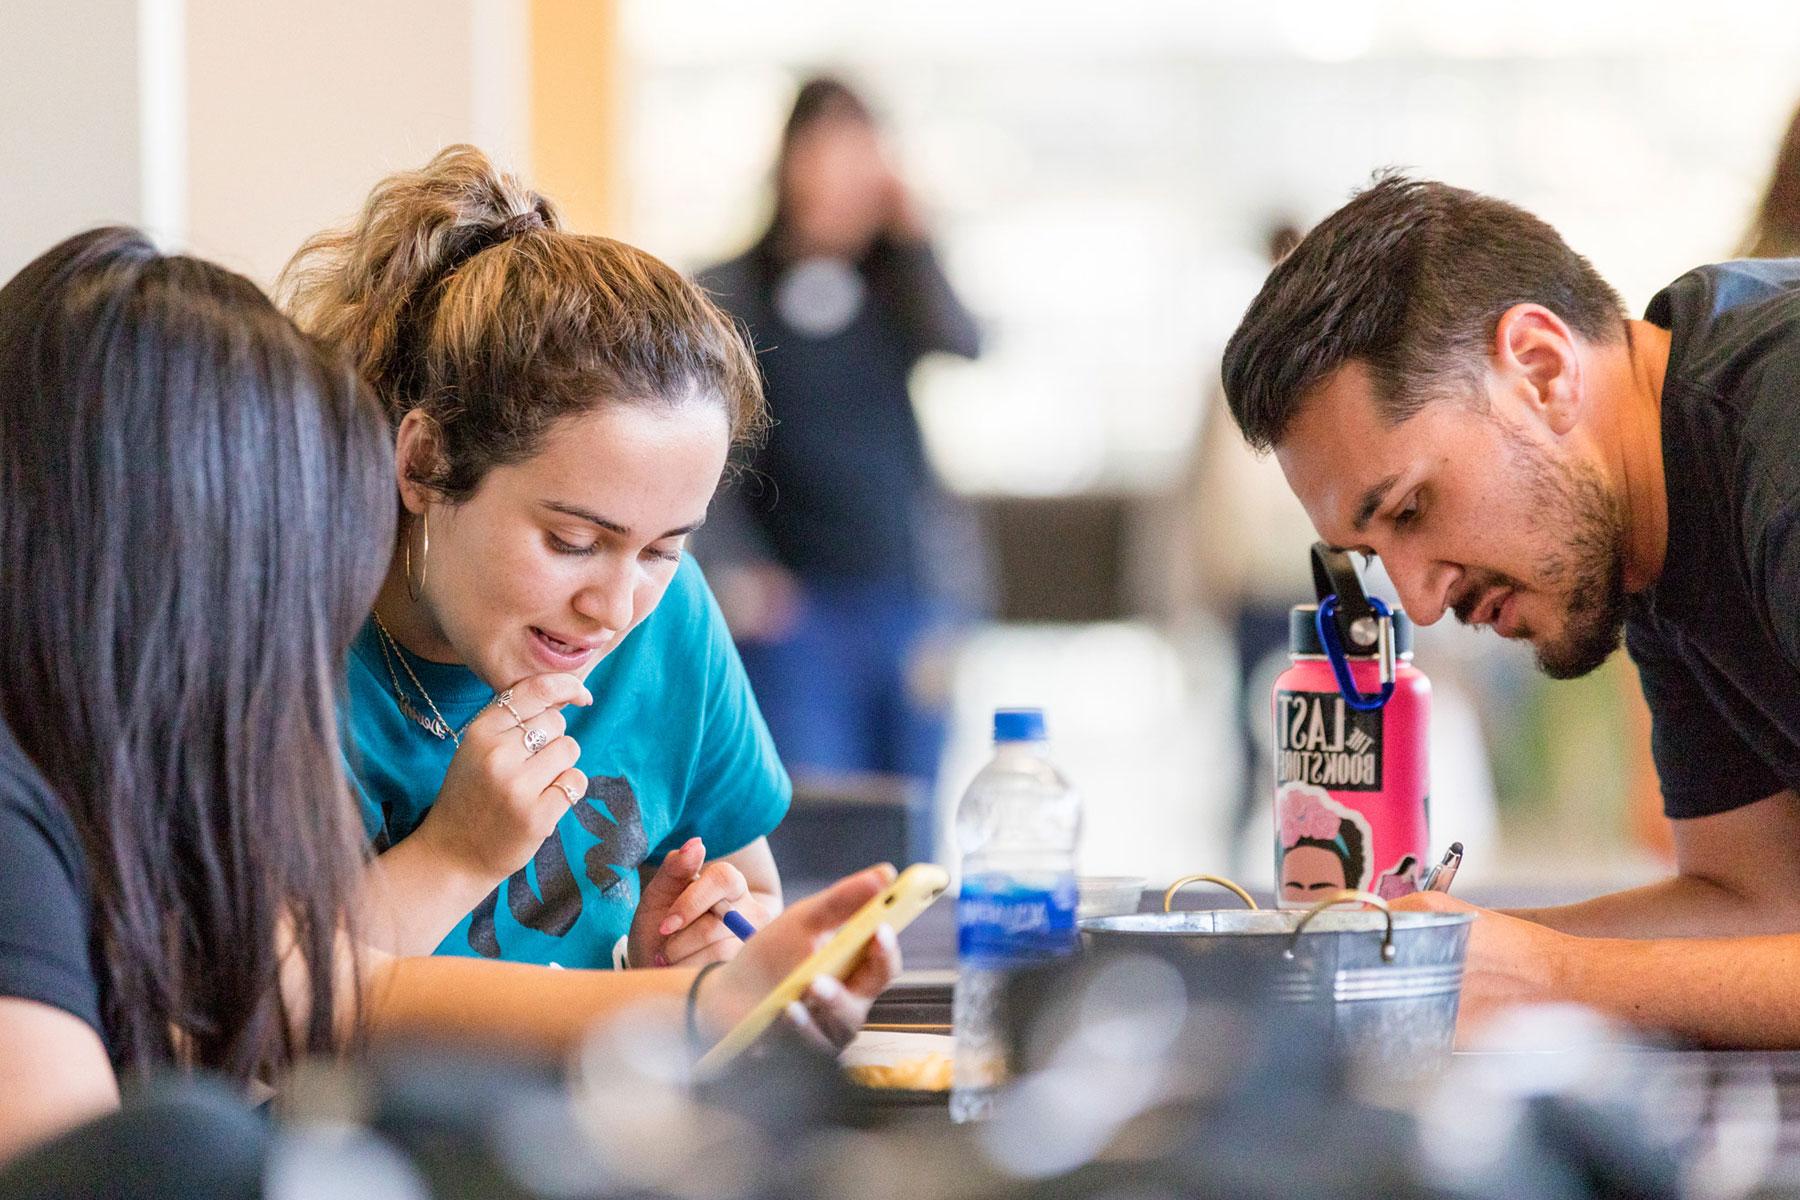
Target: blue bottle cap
<point>1018,724</point>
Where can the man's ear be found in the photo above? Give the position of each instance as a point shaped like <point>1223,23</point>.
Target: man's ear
<point>1537,359</point>
<point>418,458</point>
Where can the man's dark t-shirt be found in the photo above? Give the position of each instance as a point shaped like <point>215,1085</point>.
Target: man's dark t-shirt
<point>1717,638</point>
<point>46,949</point>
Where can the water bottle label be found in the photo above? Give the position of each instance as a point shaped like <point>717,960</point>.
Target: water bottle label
<point>1006,923</point>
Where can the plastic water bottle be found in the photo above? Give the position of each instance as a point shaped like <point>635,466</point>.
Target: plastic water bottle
<point>1016,828</point>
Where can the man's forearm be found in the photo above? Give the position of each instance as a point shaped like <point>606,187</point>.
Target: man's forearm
<point>1685,906</point>
<point>1728,992</point>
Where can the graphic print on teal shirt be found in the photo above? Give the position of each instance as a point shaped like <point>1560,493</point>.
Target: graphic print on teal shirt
<point>673,747</point>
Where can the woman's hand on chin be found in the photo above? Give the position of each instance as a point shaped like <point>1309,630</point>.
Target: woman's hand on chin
<point>512,778</point>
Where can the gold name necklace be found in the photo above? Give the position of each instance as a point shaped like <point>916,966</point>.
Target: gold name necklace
<point>435,723</point>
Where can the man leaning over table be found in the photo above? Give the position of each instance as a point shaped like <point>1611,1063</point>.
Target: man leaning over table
<point>1447,385</point>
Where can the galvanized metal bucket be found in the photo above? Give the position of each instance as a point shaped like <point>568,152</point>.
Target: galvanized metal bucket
<point>1381,987</point>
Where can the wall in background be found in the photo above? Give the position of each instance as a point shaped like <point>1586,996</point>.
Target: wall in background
<point>576,93</point>
<point>1102,175</point>
<point>236,130</point>
<point>71,122</point>
<point>296,110</point>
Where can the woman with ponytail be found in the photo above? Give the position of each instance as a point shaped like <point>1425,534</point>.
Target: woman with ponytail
<point>545,704</point>
<point>196,509</point>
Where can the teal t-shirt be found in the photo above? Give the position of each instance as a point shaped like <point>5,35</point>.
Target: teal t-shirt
<point>673,746</point>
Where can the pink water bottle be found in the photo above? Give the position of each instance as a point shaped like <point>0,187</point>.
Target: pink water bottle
<point>1352,773</point>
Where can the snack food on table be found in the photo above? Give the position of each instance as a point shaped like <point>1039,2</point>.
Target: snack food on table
<point>928,1073</point>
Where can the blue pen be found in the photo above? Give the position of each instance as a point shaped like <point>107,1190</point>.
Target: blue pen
<point>735,922</point>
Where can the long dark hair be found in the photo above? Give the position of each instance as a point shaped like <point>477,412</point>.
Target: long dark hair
<point>195,509</point>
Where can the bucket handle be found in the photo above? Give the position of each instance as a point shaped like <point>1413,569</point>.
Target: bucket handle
<point>1169,896</point>
<point>1347,896</point>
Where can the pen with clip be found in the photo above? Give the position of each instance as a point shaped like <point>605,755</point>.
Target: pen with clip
<point>1438,880</point>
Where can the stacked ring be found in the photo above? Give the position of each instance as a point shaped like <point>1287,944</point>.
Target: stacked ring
<point>504,700</point>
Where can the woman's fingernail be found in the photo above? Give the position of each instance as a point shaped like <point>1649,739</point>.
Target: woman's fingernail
<point>825,988</point>
<point>661,959</point>
<point>669,925</point>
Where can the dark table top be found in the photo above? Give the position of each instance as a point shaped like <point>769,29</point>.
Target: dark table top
<point>1737,1113</point>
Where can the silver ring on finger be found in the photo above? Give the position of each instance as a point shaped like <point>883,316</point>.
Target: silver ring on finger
<point>572,792</point>
<point>535,739</point>
<point>504,700</point>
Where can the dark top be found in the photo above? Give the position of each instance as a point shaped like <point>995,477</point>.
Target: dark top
<point>1717,637</point>
<point>841,483</point>
<point>46,951</point>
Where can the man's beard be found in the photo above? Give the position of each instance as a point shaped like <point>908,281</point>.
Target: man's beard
<point>1587,570</point>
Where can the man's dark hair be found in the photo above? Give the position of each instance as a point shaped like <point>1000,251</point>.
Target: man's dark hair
<point>1410,278</point>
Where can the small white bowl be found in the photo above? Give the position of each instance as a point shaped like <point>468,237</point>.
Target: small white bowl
<point>1108,895</point>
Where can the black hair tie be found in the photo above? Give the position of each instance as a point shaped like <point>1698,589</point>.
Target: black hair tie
<point>415,316</point>
<point>525,222</point>
<point>484,239</point>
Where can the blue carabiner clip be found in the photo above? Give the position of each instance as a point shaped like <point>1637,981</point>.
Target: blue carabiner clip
<point>1340,665</point>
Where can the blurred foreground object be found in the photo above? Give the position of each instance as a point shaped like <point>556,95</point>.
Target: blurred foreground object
<point>1138,1078</point>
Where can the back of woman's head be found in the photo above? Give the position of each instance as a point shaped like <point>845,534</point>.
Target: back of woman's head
<point>200,497</point>
<point>458,292</point>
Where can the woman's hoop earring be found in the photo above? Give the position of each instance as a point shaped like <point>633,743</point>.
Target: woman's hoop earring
<point>424,557</point>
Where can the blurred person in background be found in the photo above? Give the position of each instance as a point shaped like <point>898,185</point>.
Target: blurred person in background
<point>840,561</point>
<point>1775,230</point>
<point>545,703</point>
<point>1246,560</point>
<point>206,497</point>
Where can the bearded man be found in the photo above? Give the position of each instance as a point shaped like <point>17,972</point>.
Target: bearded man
<point>1448,386</point>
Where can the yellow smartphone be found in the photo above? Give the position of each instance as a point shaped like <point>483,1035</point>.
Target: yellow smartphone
<point>911,893</point>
